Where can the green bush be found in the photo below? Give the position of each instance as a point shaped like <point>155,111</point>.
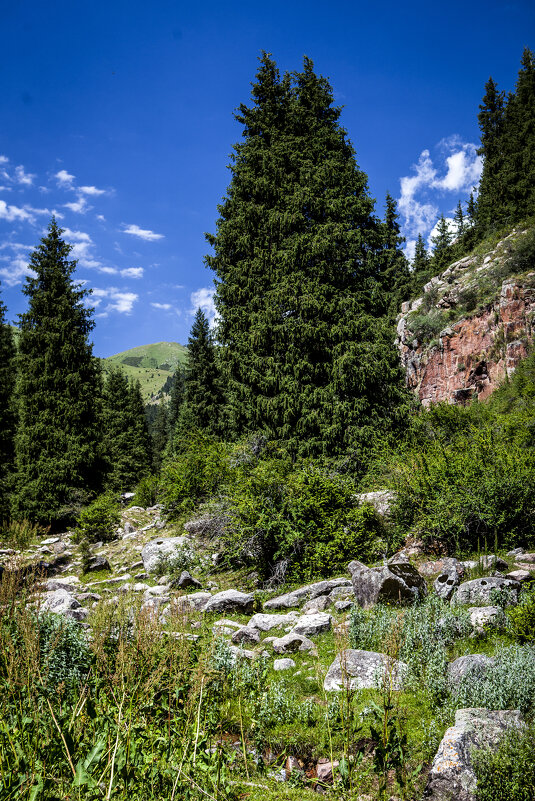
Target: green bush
<point>521,618</point>
<point>199,467</point>
<point>64,651</point>
<point>99,520</point>
<point>146,492</point>
<point>508,771</point>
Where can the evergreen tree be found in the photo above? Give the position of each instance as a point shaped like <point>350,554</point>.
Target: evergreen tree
<point>7,409</point>
<point>459,220</point>
<point>421,267</point>
<point>176,398</point>
<point>298,264</point>
<point>395,275</point>
<point>160,436</point>
<point>202,403</point>
<point>58,391</point>
<point>126,440</point>
<point>491,122</point>
<point>441,245</point>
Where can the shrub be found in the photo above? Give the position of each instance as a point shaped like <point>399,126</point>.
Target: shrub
<point>146,492</point>
<point>99,521</point>
<point>64,651</point>
<point>521,618</point>
<point>198,469</point>
<point>19,533</point>
<point>509,685</point>
<point>172,565</point>
<point>508,771</point>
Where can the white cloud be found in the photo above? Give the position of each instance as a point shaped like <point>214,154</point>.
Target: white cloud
<point>132,272</point>
<point>76,236</point>
<point>64,179</point>
<point>101,218</point>
<point>148,236</point>
<point>121,302</point>
<point>79,206</point>
<point>91,190</point>
<point>163,306</point>
<point>12,213</point>
<point>22,177</point>
<point>15,272</point>
<point>4,159</point>
<point>204,299</point>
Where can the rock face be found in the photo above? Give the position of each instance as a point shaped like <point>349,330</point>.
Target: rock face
<point>230,601</point>
<point>452,777</point>
<point>478,591</point>
<point>396,582</point>
<point>361,670</point>
<point>473,355</point>
<point>159,549</point>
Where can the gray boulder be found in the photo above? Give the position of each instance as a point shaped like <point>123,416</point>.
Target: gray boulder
<point>310,625</point>
<point>486,617</point>
<point>196,601</point>
<point>292,600</point>
<point>478,591</point>
<point>97,563</point>
<point>319,604</point>
<point>265,622</point>
<point>362,670</point>
<point>246,634</point>
<point>187,580</point>
<point>452,776</point>
<point>283,664</point>
<point>396,582</point>
<point>160,549</point>
<point>292,642</point>
<point>381,500</point>
<point>472,665</point>
<point>450,578</point>
<point>526,557</point>
<point>61,602</point>
<point>230,601</point>
<point>522,576</point>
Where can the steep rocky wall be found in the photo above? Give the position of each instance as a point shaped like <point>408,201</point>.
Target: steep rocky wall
<point>472,355</point>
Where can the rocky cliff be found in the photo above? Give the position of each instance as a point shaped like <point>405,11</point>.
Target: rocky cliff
<point>473,325</point>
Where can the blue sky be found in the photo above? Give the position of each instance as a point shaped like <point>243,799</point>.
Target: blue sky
<point>118,116</point>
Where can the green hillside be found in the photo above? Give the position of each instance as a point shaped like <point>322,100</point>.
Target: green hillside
<point>152,365</point>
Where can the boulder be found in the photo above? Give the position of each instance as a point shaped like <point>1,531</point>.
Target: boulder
<point>161,549</point>
<point>97,563</point>
<point>522,576</point>
<point>485,617</point>
<point>396,582</point>
<point>230,601</point>
<point>196,601</point>
<point>477,592</point>
<point>324,770</point>
<point>295,598</point>
<point>452,777</point>
<point>240,653</point>
<point>187,580</point>
<point>283,664</point>
<point>317,604</point>
<point>362,670</point>
<point>526,557</point>
<point>225,627</point>
<point>343,606</point>
<point>381,500</point>
<point>246,634</point>
<point>310,625</point>
<point>61,602</point>
<point>291,642</point>
<point>265,622</point>
<point>472,665</point>
<point>450,578</point>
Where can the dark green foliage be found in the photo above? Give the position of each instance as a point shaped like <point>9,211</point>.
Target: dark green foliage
<point>7,409</point>
<point>421,267</point>
<point>64,652</point>
<point>507,187</point>
<point>146,492</point>
<point>58,391</point>
<point>126,440</point>
<point>202,404</point>
<point>441,245</point>
<point>508,771</point>
<point>521,618</point>
<point>297,258</point>
<point>159,435</point>
<point>99,521</point>
<point>395,277</point>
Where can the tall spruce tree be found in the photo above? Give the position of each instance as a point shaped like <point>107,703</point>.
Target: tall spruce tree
<point>58,391</point>
<point>490,211</point>
<point>421,266</point>
<point>441,244</point>
<point>7,410</point>
<point>395,277</point>
<point>126,439</point>
<point>159,435</point>
<point>298,260</point>
<point>202,404</point>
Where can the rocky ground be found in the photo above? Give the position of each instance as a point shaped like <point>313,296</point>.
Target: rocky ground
<point>301,632</point>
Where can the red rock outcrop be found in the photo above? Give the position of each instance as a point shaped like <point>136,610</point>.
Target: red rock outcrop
<point>474,354</point>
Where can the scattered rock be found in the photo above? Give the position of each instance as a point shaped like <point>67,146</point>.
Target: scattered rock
<point>61,602</point>
<point>265,622</point>
<point>225,626</point>
<point>291,642</point>
<point>283,664</point>
<point>381,500</point>
<point>200,526</point>
<point>317,604</point>
<point>452,777</point>
<point>230,601</point>
<point>296,597</point>
<point>520,575</point>
<point>241,653</point>
<point>526,557</point>
<point>478,591</point>
<point>343,606</point>
<point>483,617</point>
<point>196,600</point>
<point>310,625</point>
<point>362,670</point>
<point>187,580</point>
<point>160,549</point>
<point>68,583</point>
<point>97,563</point>
<point>450,578</point>
<point>324,768</point>
<point>246,634</point>
<point>472,665</point>
<point>396,582</point>
<point>515,552</point>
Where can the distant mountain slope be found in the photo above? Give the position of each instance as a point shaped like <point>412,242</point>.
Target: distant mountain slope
<point>151,364</point>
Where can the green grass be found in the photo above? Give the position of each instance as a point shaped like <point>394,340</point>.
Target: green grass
<point>151,365</point>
